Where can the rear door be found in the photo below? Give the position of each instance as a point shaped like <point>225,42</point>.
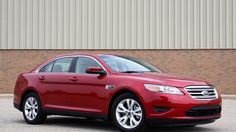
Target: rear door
<point>54,81</point>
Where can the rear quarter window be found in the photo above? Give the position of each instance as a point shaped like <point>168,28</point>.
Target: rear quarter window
<point>47,68</point>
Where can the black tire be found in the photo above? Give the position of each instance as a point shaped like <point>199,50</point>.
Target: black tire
<point>141,126</point>
<point>40,116</point>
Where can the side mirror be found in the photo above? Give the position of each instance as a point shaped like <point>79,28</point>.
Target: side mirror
<point>95,70</point>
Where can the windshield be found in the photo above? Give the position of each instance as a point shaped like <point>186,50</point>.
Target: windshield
<point>127,64</point>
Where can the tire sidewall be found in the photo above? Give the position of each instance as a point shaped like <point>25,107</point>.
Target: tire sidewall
<point>40,117</point>
<point>141,125</point>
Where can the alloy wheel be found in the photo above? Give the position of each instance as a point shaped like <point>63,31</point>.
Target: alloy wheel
<point>129,113</point>
<point>31,108</point>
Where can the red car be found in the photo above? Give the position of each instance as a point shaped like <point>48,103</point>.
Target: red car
<point>128,91</point>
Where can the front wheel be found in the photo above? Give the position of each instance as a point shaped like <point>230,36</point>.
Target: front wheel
<point>32,109</point>
<point>127,113</point>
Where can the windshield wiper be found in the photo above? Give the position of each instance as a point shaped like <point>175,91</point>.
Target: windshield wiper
<point>132,71</point>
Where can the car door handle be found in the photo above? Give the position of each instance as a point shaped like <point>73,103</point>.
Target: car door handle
<point>74,79</point>
<point>41,78</point>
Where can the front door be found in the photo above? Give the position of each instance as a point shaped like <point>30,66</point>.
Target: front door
<point>89,93</point>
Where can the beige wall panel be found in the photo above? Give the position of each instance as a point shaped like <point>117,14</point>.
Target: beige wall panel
<point>117,24</point>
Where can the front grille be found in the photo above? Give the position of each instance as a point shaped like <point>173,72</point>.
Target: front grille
<point>202,92</point>
<point>204,110</point>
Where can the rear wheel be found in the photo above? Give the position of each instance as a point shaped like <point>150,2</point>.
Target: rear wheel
<point>127,113</point>
<point>32,109</point>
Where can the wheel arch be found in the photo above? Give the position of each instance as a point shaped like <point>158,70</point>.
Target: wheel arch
<point>117,94</point>
<point>25,93</point>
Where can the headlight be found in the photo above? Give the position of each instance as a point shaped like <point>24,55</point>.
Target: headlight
<point>162,89</point>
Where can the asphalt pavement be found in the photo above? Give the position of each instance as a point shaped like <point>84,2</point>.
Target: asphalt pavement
<point>11,120</point>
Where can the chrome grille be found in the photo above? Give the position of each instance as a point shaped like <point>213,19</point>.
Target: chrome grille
<point>202,92</point>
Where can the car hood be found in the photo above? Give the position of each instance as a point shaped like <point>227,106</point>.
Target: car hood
<point>167,79</point>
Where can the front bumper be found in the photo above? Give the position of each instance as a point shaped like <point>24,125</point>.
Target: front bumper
<point>180,109</point>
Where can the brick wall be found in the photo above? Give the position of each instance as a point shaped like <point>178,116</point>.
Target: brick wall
<point>216,66</point>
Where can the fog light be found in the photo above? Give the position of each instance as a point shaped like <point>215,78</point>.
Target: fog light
<point>161,109</point>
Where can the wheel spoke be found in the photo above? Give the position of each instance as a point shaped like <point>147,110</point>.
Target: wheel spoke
<point>134,120</point>
<point>128,103</point>
<point>34,113</point>
<point>137,110</point>
<point>36,107</point>
<point>122,118</point>
<point>125,120</point>
<point>121,106</point>
<point>27,106</point>
<point>29,114</point>
<point>120,110</point>
<point>31,101</point>
<point>131,123</point>
<point>132,104</point>
<point>137,114</point>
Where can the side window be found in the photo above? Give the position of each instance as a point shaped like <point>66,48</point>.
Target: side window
<point>83,63</point>
<point>47,68</point>
<point>62,65</point>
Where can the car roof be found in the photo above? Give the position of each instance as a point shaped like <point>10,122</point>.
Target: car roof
<point>85,54</point>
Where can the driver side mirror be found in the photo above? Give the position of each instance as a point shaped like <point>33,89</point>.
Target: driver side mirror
<point>96,70</point>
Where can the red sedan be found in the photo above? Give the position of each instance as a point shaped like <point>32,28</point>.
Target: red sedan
<point>128,91</point>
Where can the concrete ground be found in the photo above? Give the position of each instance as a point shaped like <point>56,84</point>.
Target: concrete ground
<point>11,120</point>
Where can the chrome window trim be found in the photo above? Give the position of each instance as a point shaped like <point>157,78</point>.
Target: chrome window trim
<point>203,87</point>
<point>42,66</point>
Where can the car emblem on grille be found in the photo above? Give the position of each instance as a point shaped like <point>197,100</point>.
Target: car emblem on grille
<point>205,93</point>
